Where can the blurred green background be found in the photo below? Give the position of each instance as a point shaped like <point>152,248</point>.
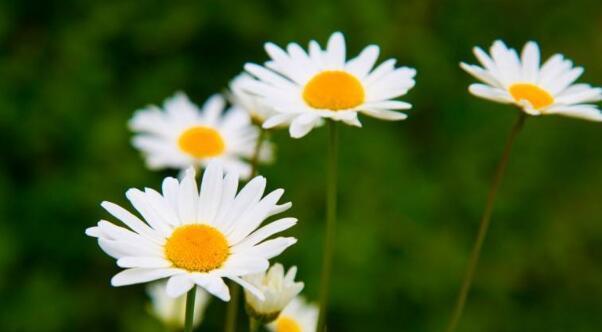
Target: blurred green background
<point>411,192</point>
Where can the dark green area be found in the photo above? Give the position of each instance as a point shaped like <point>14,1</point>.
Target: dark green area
<point>411,192</point>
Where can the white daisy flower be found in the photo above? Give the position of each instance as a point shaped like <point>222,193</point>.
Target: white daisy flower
<point>298,316</point>
<point>195,237</point>
<point>305,87</point>
<point>536,89</point>
<point>249,102</point>
<point>172,311</point>
<point>278,289</point>
<point>182,135</point>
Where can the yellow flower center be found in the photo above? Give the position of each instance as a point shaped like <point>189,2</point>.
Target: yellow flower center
<point>287,324</point>
<point>334,90</point>
<point>201,142</point>
<point>536,96</point>
<point>198,248</point>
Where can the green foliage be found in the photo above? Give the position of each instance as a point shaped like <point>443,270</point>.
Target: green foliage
<point>72,73</point>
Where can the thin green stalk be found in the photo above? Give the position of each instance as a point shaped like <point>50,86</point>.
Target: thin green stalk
<point>254,325</point>
<point>331,218</point>
<point>189,309</point>
<point>484,226</point>
<point>232,309</point>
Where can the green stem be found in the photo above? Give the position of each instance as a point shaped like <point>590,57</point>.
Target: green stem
<point>254,325</point>
<point>484,226</point>
<point>232,310</point>
<point>255,159</point>
<point>189,309</point>
<point>331,216</point>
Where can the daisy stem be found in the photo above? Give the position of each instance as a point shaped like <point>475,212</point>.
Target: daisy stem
<point>189,309</point>
<point>253,325</point>
<point>331,216</point>
<point>485,222</point>
<point>255,159</point>
<point>232,309</point>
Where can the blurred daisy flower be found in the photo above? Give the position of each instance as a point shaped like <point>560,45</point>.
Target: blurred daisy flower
<point>195,237</point>
<point>536,89</point>
<point>298,316</point>
<point>305,87</point>
<point>248,102</point>
<point>171,311</point>
<point>278,290</point>
<point>181,135</point>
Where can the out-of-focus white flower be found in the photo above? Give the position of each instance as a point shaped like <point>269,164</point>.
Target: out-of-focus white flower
<point>306,87</point>
<point>172,311</point>
<point>537,90</point>
<point>277,288</point>
<point>181,135</point>
<point>298,316</point>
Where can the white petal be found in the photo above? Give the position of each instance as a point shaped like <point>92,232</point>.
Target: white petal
<point>138,275</point>
<point>141,203</point>
<point>272,248</point>
<point>143,262</point>
<point>132,222</point>
<point>487,92</point>
<point>188,198</point>
<point>336,50</point>
<point>530,61</point>
<point>302,125</point>
<point>264,232</point>
<point>211,191</point>
<point>385,114</point>
<point>213,284</point>
<point>178,285</point>
<point>363,63</point>
<point>248,286</point>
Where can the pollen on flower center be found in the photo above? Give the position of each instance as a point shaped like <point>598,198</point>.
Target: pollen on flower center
<point>286,324</point>
<point>334,90</point>
<point>201,142</point>
<point>199,248</point>
<point>536,96</point>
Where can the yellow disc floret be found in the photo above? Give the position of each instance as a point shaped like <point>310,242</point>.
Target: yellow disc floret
<point>198,248</point>
<point>536,96</point>
<point>201,142</point>
<point>334,90</point>
<point>287,324</point>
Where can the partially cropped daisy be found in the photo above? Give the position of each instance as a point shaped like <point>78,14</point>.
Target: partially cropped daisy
<point>181,135</point>
<point>171,311</point>
<point>536,89</point>
<point>278,290</point>
<point>249,102</point>
<point>195,237</point>
<point>298,316</point>
<point>305,87</point>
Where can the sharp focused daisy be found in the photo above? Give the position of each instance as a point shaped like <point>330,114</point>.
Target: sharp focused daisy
<point>298,316</point>
<point>249,102</point>
<point>278,290</point>
<point>195,237</point>
<point>305,87</point>
<point>182,135</point>
<point>170,310</point>
<point>537,89</point>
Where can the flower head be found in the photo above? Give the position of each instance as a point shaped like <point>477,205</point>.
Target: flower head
<point>172,311</point>
<point>305,87</point>
<point>195,237</point>
<point>536,89</point>
<point>298,316</point>
<point>277,288</point>
<point>181,135</point>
